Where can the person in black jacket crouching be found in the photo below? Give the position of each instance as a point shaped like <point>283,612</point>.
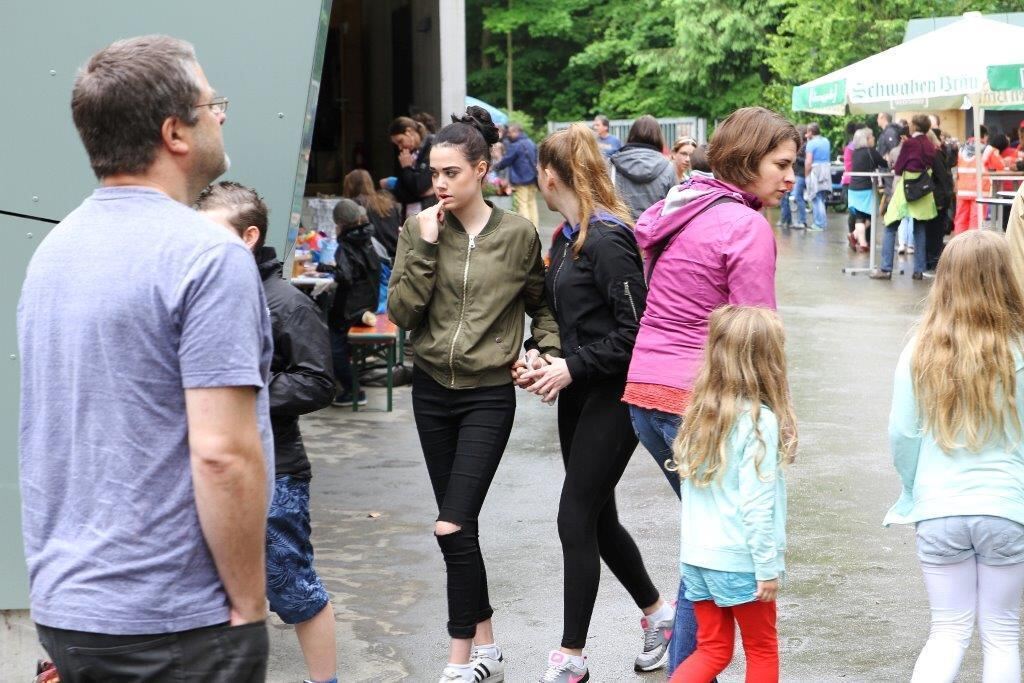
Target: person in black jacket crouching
<point>301,382</point>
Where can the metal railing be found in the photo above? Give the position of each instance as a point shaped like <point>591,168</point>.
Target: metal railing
<point>671,128</point>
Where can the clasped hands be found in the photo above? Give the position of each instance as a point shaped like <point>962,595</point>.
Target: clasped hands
<point>542,375</point>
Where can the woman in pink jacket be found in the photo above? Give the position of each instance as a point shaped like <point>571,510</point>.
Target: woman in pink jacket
<point>706,246</point>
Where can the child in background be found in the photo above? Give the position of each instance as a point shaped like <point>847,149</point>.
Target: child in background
<point>956,434</point>
<point>738,432</point>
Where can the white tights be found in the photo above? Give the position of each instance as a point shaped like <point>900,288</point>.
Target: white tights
<point>958,593</point>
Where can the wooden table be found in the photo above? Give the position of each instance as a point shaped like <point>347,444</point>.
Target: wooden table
<point>365,342</point>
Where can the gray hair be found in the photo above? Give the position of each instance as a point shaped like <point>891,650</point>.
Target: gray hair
<point>861,137</point>
<point>124,94</point>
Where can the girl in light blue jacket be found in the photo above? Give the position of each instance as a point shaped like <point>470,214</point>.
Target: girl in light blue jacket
<point>958,445</point>
<point>738,432</point>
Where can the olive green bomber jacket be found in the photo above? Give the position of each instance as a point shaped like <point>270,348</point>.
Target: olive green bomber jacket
<point>463,299</point>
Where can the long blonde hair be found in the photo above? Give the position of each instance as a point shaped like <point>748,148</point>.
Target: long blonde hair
<point>744,366</point>
<point>573,155</point>
<point>962,364</point>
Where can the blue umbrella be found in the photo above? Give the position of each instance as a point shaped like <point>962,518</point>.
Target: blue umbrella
<point>498,116</point>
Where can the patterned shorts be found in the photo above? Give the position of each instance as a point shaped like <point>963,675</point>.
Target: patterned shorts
<point>295,591</point>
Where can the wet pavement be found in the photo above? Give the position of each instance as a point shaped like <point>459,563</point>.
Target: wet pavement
<point>853,606</point>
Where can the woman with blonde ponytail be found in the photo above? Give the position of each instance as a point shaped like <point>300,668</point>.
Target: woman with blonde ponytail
<point>957,434</point>
<point>596,290</point>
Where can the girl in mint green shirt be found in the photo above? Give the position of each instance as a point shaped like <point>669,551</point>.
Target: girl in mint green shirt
<point>737,433</point>
<point>958,445</point>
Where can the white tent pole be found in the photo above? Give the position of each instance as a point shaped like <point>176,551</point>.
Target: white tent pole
<point>979,208</point>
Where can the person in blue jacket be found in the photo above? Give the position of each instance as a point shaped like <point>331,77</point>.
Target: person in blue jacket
<point>958,445</point>
<point>521,161</point>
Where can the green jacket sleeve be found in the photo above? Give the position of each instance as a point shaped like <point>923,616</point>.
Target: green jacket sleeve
<point>412,279</point>
<point>757,496</point>
<point>543,325</point>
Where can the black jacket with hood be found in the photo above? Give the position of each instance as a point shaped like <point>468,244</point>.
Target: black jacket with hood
<point>301,377</point>
<point>598,299</point>
<point>357,272</point>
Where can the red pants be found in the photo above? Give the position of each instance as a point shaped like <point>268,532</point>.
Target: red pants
<point>716,633</point>
<point>966,217</point>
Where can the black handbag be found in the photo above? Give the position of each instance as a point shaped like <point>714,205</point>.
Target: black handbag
<point>919,187</point>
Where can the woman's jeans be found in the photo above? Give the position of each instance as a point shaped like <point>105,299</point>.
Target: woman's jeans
<point>905,235</point>
<point>797,194</point>
<point>656,431</point>
<point>818,209</point>
<point>801,203</point>
<point>889,246</point>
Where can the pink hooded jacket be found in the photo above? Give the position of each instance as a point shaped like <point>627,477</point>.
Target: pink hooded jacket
<point>725,255</point>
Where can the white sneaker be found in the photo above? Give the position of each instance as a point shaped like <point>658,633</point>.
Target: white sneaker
<point>561,669</point>
<point>453,675</point>
<point>487,669</point>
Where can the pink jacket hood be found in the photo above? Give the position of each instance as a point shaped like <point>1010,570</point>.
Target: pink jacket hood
<point>660,223</point>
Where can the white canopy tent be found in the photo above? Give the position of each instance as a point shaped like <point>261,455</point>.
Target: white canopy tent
<point>974,62</point>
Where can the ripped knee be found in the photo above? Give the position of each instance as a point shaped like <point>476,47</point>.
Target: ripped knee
<point>446,528</point>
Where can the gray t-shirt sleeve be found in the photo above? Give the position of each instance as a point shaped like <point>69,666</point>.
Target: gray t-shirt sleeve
<point>222,313</point>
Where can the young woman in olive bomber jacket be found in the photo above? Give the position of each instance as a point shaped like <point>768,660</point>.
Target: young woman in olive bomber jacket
<point>465,273</point>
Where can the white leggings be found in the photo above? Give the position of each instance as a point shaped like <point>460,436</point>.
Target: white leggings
<point>959,592</point>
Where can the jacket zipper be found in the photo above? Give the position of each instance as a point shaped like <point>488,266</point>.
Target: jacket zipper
<point>629,296</point>
<point>554,282</point>
<point>462,312</point>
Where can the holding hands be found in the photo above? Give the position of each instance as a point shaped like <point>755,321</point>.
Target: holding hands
<point>542,375</point>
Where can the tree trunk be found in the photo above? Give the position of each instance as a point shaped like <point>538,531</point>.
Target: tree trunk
<point>508,71</point>
<point>485,57</point>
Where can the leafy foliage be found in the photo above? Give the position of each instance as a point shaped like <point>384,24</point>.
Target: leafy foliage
<point>623,58</point>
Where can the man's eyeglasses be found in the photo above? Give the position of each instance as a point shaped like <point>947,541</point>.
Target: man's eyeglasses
<point>218,105</point>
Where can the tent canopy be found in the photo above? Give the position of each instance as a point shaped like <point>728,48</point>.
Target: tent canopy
<point>972,62</point>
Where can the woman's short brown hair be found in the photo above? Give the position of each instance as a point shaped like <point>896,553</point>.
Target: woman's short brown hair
<point>646,130</point>
<point>746,137</point>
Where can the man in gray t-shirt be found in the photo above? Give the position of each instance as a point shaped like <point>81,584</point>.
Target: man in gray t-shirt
<point>145,352</point>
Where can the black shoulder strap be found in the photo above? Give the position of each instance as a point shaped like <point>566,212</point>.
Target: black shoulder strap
<point>654,257</point>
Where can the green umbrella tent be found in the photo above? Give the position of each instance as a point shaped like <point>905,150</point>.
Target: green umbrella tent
<point>971,63</point>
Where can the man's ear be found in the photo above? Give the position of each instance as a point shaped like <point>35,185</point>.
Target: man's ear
<point>175,135</point>
<point>251,236</point>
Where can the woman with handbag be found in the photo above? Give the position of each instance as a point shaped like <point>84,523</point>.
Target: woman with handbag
<point>912,196</point>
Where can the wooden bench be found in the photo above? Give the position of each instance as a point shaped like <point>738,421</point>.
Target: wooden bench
<point>371,341</point>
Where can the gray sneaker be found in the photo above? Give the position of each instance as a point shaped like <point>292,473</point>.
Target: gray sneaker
<point>656,639</point>
<point>562,670</point>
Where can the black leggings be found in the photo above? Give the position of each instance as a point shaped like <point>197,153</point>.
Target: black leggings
<point>463,433</point>
<point>597,441</point>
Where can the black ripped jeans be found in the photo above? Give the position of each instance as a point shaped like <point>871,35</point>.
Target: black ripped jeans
<point>463,433</point>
